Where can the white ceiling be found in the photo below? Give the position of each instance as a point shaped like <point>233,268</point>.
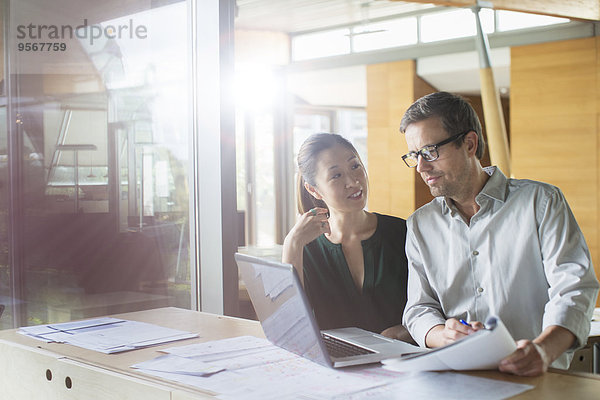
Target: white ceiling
<point>459,72</point>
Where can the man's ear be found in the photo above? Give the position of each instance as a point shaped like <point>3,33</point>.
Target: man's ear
<point>472,140</point>
<point>313,191</point>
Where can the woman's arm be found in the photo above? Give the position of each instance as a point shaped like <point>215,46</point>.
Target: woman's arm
<point>399,332</point>
<point>310,225</point>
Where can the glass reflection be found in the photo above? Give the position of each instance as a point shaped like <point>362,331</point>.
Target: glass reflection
<point>103,142</point>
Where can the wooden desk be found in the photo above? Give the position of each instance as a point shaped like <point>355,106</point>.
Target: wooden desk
<point>27,365</point>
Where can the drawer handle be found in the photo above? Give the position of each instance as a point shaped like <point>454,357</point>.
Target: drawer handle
<point>68,382</point>
<point>48,375</point>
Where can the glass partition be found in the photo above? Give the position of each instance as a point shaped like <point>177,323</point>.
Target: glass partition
<point>95,159</point>
<point>6,298</point>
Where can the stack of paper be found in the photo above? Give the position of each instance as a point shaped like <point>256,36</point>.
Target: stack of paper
<point>106,335</point>
<point>483,349</point>
<point>596,314</point>
<point>253,369</point>
<point>595,328</point>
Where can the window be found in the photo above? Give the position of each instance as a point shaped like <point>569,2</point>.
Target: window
<point>307,123</point>
<point>454,24</point>
<point>103,139</point>
<point>510,20</point>
<point>352,124</point>
<point>393,33</point>
<point>257,90</point>
<point>321,44</point>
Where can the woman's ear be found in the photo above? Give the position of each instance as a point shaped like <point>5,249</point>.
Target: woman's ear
<point>313,191</point>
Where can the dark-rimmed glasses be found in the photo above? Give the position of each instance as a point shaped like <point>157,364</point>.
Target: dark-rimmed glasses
<point>429,152</point>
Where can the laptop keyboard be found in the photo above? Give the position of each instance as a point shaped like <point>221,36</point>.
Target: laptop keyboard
<point>338,348</point>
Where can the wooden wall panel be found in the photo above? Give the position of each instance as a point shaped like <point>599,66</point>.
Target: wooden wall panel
<point>477,104</point>
<point>596,252</point>
<point>580,9</point>
<point>390,90</point>
<point>422,192</point>
<point>555,108</point>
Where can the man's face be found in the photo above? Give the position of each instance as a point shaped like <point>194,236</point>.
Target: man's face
<point>446,176</point>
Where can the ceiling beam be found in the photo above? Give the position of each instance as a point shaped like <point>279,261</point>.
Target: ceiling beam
<point>575,9</point>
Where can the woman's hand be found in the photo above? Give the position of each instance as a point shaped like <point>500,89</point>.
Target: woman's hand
<point>310,225</point>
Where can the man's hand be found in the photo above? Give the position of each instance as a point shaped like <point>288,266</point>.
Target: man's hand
<point>530,359</point>
<point>533,358</point>
<point>451,331</point>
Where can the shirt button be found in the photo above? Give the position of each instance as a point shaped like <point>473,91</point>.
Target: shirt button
<point>479,289</point>
<point>475,253</point>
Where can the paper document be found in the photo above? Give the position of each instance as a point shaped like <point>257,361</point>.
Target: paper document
<point>178,365</point>
<point>596,314</point>
<point>106,335</point>
<point>483,349</point>
<point>441,385</point>
<point>255,369</point>
<point>273,284</point>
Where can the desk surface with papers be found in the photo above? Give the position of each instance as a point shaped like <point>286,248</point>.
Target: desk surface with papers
<point>61,371</point>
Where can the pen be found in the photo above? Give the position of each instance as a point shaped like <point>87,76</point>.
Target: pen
<point>462,321</point>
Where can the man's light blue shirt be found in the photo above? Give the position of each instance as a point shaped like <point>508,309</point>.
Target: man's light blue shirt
<point>522,257</point>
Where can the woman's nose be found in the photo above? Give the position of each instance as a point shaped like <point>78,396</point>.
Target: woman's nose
<point>352,182</point>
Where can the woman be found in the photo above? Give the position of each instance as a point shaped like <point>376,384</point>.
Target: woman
<point>351,261</point>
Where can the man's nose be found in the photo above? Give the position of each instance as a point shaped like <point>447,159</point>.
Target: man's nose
<point>422,165</point>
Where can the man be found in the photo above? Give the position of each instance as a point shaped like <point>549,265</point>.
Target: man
<point>489,245</point>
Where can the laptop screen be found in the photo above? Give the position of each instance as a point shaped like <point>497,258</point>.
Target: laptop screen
<point>282,307</point>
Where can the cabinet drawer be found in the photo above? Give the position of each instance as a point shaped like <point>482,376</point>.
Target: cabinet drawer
<point>38,374</point>
<point>583,360</point>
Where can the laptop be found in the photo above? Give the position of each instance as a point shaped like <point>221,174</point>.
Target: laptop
<point>288,322</point>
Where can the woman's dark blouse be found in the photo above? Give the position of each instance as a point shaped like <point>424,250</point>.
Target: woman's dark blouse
<point>337,302</point>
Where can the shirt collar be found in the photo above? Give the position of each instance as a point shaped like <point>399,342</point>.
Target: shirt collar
<point>495,188</point>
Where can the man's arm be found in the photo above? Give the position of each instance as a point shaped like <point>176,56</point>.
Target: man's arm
<point>572,291</point>
<point>573,286</point>
<point>423,310</point>
<point>533,358</point>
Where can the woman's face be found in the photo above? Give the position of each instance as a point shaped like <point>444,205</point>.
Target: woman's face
<point>341,180</point>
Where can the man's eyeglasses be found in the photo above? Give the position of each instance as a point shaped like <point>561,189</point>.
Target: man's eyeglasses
<point>429,152</point>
